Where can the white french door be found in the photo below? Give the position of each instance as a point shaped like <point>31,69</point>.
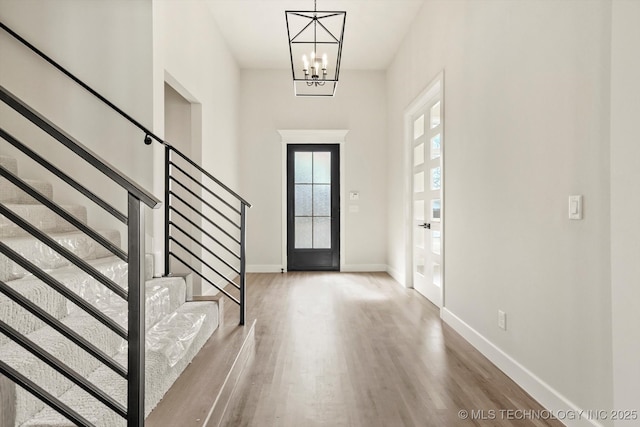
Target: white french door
<point>427,189</point>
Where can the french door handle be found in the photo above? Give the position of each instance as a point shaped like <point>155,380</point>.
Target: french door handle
<point>425,225</point>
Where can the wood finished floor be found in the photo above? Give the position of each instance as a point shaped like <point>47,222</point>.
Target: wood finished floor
<point>343,349</point>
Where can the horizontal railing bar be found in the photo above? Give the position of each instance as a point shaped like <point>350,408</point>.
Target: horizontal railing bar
<point>211,177</point>
<point>63,290</point>
<point>63,176</point>
<point>63,329</point>
<point>66,253</point>
<point>43,395</point>
<point>201,215</point>
<point>203,232</point>
<point>76,147</point>
<point>201,260</point>
<point>188,175</point>
<point>227,294</point>
<point>62,369</point>
<point>203,247</point>
<point>64,214</point>
<point>232,222</point>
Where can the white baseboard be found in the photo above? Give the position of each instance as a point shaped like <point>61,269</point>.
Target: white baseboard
<point>363,268</point>
<point>395,273</point>
<point>267,268</point>
<point>546,395</point>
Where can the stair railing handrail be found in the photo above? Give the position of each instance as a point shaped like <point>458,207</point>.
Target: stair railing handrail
<point>135,296</point>
<point>169,149</point>
<point>149,135</point>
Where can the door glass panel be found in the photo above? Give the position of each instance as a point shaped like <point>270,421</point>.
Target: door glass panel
<point>418,182</point>
<point>418,127</point>
<point>303,168</point>
<point>435,146</point>
<point>418,154</point>
<point>303,233</point>
<point>418,210</point>
<point>420,265</point>
<point>303,200</point>
<point>322,200</point>
<point>321,233</point>
<point>435,242</point>
<point>322,168</point>
<point>435,115</point>
<point>437,279</point>
<point>436,178</point>
<point>435,210</point>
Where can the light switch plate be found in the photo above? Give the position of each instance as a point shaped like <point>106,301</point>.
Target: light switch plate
<point>575,207</point>
<point>354,196</point>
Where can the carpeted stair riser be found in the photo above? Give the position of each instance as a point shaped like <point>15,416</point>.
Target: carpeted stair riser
<point>42,218</point>
<point>159,377</point>
<point>164,296</point>
<point>48,259</point>
<point>9,193</point>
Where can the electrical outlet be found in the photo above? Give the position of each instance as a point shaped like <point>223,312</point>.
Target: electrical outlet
<point>502,320</point>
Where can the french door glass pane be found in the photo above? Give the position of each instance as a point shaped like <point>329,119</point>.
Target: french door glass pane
<point>418,182</point>
<point>435,115</point>
<point>303,233</point>
<point>435,209</point>
<point>303,168</point>
<point>303,198</point>
<point>418,154</point>
<point>435,242</point>
<point>436,178</point>
<point>322,200</point>
<point>435,146</point>
<point>418,210</point>
<point>322,233</point>
<point>418,127</point>
<point>322,168</point>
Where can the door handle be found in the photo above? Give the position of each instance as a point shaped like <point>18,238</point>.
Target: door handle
<point>425,225</point>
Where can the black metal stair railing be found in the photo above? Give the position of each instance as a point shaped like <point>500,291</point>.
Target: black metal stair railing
<point>215,229</point>
<point>173,246</point>
<point>134,257</point>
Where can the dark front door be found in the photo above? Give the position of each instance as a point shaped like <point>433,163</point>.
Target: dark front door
<point>313,207</point>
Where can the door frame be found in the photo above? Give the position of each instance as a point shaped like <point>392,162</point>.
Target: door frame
<point>433,89</point>
<point>311,136</point>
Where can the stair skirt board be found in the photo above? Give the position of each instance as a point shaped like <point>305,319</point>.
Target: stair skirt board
<point>176,330</point>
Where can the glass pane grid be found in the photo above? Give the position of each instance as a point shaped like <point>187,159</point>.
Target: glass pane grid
<point>312,200</point>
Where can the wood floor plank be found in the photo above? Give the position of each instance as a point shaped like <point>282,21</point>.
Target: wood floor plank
<point>359,350</point>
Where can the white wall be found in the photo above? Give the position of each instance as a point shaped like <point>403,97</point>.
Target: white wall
<point>267,104</point>
<point>191,55</point>
<point>625,203</point>
<point>106,44</point>
<point>526,94</point>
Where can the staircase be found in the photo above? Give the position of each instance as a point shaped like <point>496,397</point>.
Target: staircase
<point>175,329</point>
<point>87,336</point>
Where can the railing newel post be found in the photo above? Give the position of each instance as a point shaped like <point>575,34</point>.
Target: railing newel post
<point>243,230</point>
<point>136,301</point>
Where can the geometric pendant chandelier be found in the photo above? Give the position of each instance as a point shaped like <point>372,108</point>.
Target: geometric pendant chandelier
<point>315,48</point>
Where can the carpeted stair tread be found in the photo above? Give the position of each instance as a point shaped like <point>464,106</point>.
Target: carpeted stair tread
<point>42,218</point>
<point>48,259</point>
<point>9,193</point>
<point>160,374</point>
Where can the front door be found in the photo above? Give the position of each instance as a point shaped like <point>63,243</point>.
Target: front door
<point>313,207</point>
<point>427,142</point>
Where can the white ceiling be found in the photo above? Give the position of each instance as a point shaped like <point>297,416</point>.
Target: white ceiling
<point>256,32</point>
